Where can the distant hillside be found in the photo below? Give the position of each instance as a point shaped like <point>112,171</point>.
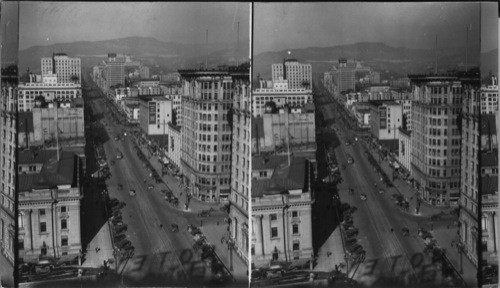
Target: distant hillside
<point>489,62</point>
<point>149,50</point>
<point>387,60</point>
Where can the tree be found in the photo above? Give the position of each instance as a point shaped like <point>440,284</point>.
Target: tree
<point>40,101</point>
<point>74,78</point>
<point>306,84</point>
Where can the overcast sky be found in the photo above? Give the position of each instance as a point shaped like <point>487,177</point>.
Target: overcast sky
<point>9,28</point>
<point>45,23</point>
<point>281,26</point>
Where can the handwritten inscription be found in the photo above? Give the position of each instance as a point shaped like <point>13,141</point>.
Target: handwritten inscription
<point>422,269</point>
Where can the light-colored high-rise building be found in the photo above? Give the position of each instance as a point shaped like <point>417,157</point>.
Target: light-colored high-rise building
<point>206,130</point>
<point>240,168</point>
<point>291,97</point>
<point>154,114</point>
<point>436,140</point>
<point>28,93</point>
<point>8,172</point>
<point>298,75</point>
<point>66,69</point>
<point>489,97</point>
<point>114,70</point>
<point>469,184</point>
<point>489,187</point>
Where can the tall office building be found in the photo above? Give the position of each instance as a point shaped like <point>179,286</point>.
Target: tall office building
<point>114,70</point>
<point>240,175</point>
<point>67,69</point>
<point>488,178</point>
<point>489,97</point>
<point>206,130</point>
<point>297,75</point>
<point>8,158</point>
<point>469,184</point>
<point>436,139</point>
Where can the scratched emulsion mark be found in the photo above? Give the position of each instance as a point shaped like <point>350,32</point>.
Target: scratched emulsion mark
<point>425,271</point>
<point>167,266</point>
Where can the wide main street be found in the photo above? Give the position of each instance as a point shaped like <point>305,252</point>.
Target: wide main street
<point>389,253</point>
<point>161,256</point>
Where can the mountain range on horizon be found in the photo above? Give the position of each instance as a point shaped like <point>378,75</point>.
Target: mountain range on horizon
<point>149,50</point>
<point>389,61</point>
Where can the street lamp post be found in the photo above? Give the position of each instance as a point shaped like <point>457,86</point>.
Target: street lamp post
<point>460,249</point>
<point>230,246</point>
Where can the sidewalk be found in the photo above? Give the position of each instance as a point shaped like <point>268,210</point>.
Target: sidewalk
<point>444,237</point>
<point>101,240</point>
<point>404,188</point>
<point>6,272</point>
<point>213,234</point>
<point>333,245</point>
<point>195,205</point>
<point>210,229</point>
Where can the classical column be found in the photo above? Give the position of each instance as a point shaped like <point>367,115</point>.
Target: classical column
<point>261,232</point>
<point>491,231</point>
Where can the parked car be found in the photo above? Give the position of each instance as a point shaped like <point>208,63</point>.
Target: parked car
<point>123,243</point>
<point>351,241</point>
<point>119,229</point>
<point>354,247</point>
<point>381,191</point>
<point>132,192</point>
<point>363,196</point>
<point>350,233</point>
<point>175,228</point>
<point>119,237</point>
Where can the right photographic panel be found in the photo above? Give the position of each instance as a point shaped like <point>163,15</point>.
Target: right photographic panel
<point>374,145</point>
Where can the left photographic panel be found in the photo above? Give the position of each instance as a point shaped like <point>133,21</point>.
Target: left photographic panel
<point>9,20</point>
<point>130,117</point>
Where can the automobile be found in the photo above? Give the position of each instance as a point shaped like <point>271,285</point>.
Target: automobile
<point>363,196</point>
<point>119,237</point>
<point>102,163</point>
<point>175,228</point>
<point>351,232</point>
<point>114,202</point>
<point>123,243</point>
<point>120,187</point>
<point>259,274</point>
<point>151,186</point>
<point>119,155</point>
<point>132,192</point>
<point>347,224</point>
<point>354,247</point>
<point>351,241</point>
<point>350,160</point>
<point>119,229</point>
<point>347,143</point>
<point>381,191</point>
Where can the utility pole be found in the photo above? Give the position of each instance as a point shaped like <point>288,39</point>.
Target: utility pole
<point>436,52</point>
<point>206,56</point>
<point>467,29</point>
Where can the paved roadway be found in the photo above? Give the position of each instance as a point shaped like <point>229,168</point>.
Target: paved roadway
<point>378,214</point>
<point>158,251</point>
